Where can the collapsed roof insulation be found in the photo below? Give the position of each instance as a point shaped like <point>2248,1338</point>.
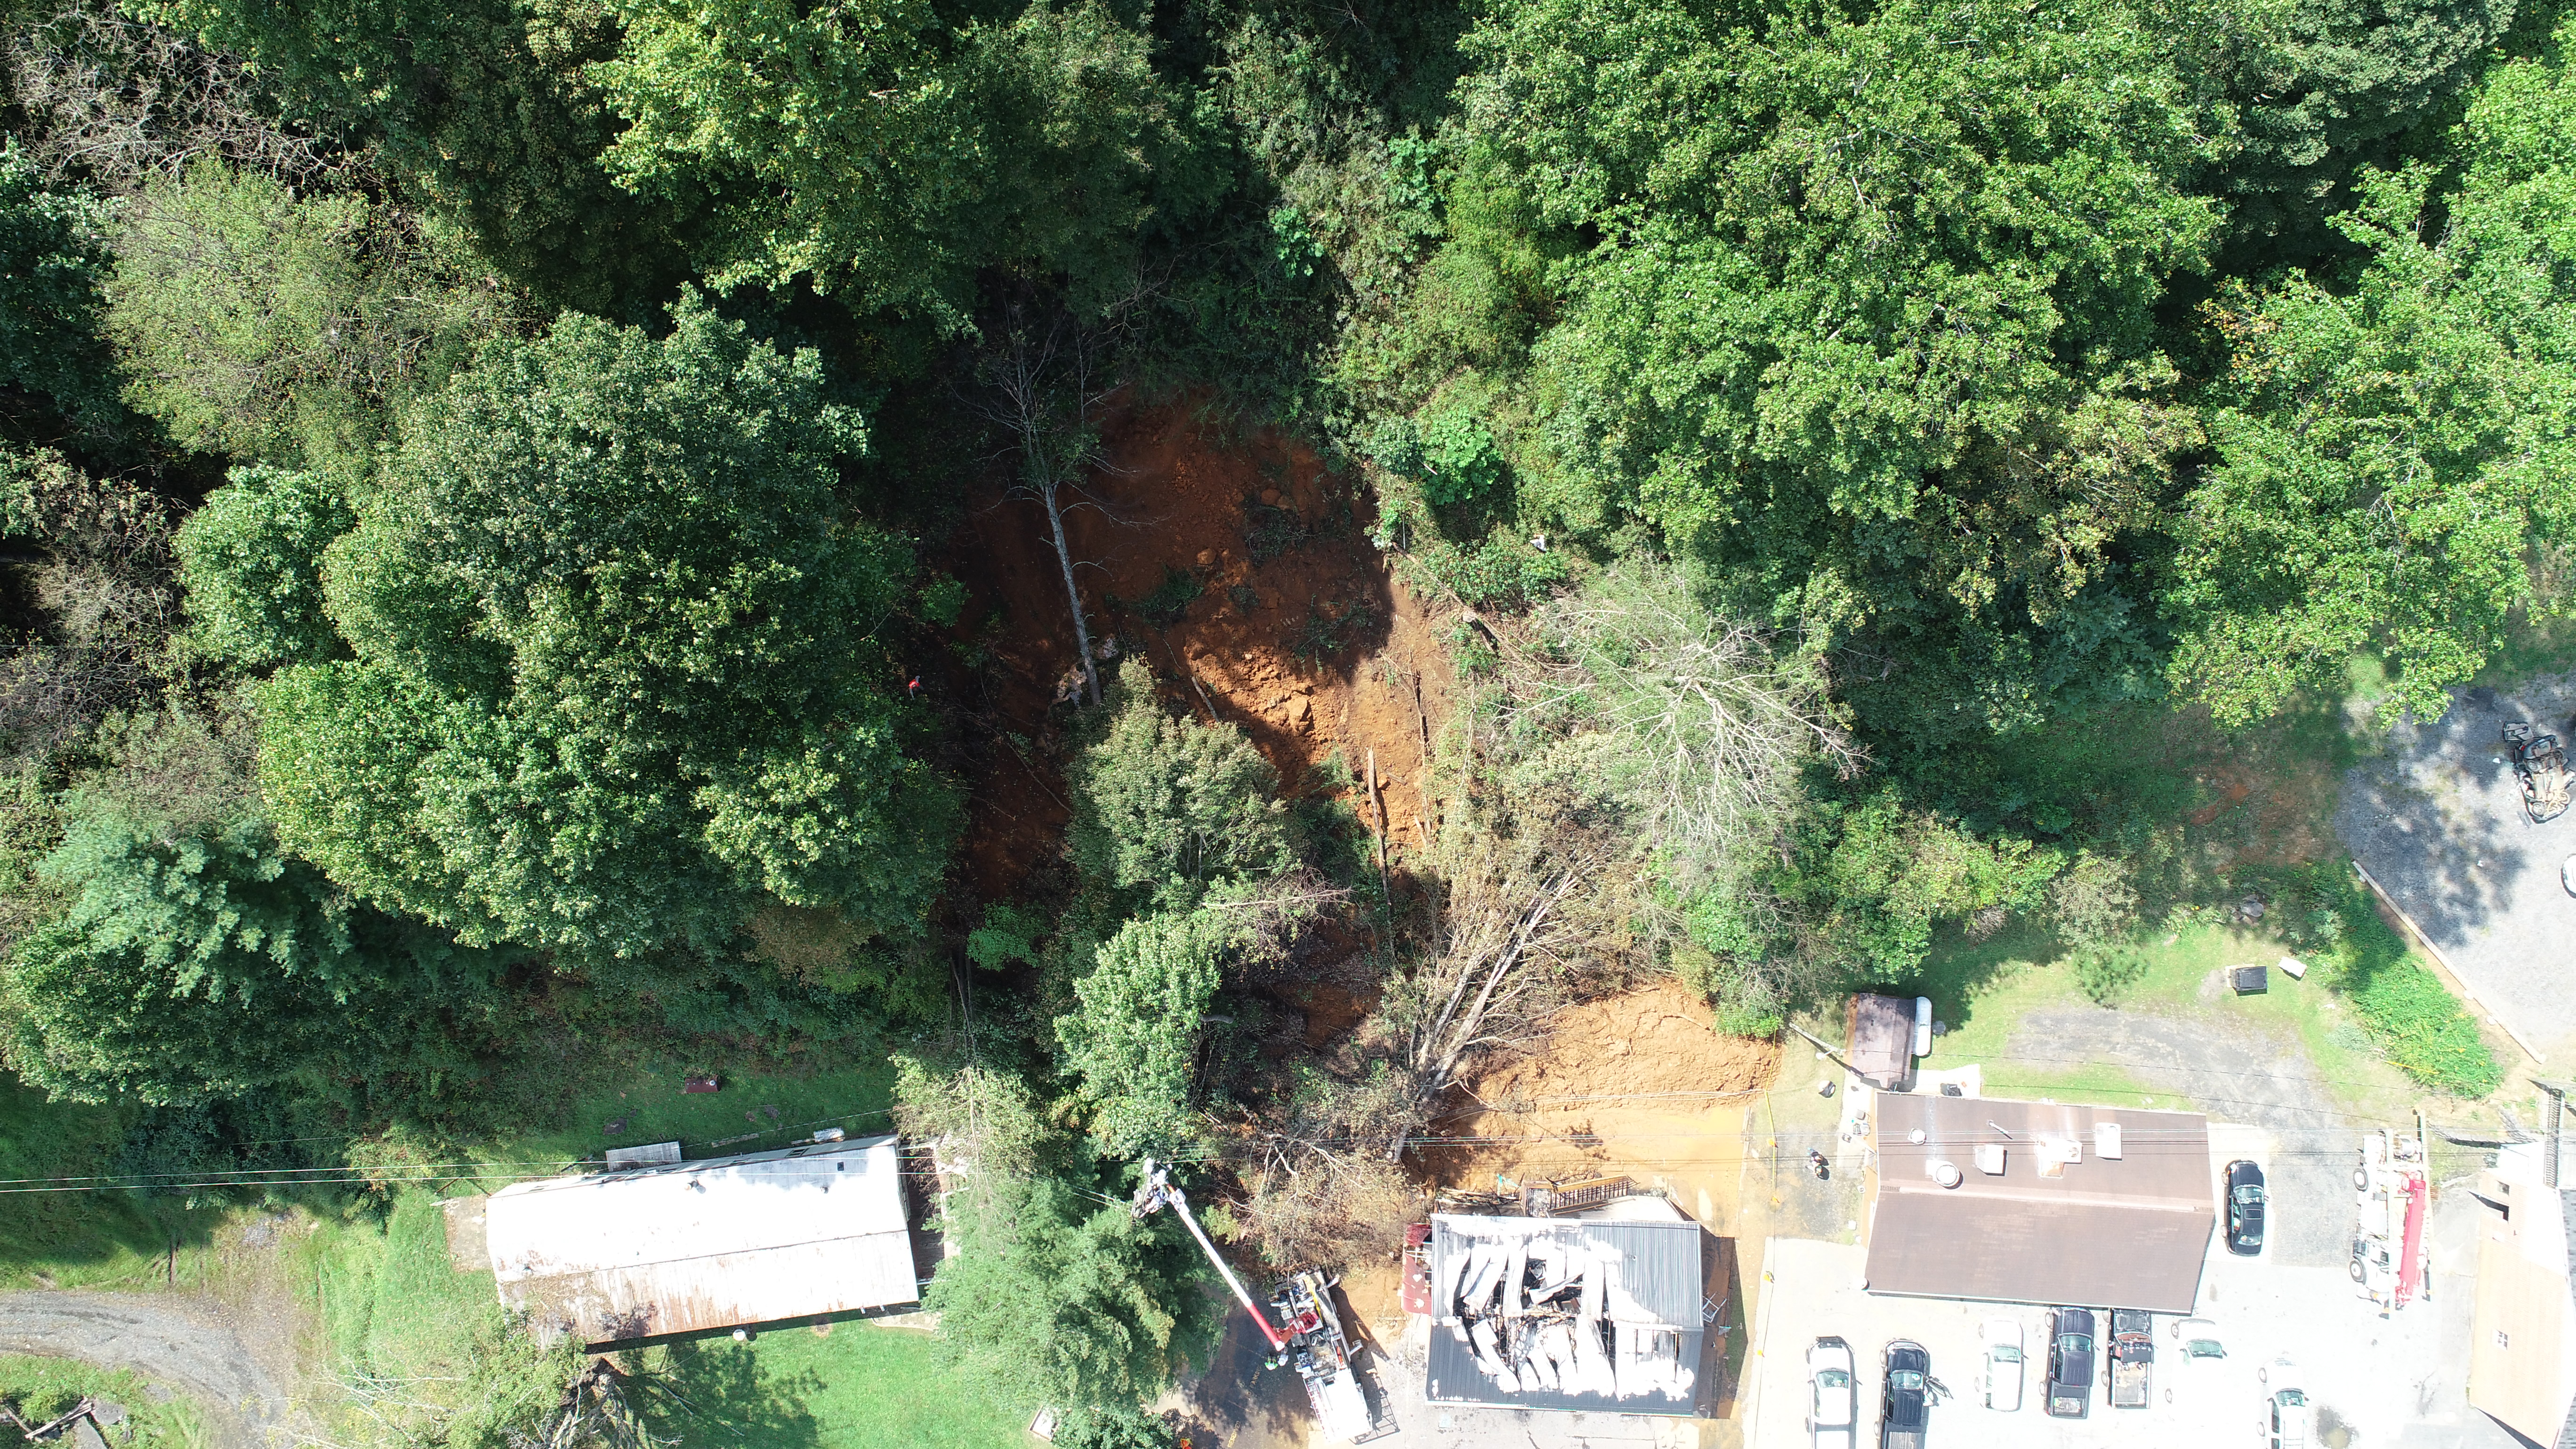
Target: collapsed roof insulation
<point>1555,1313</point>
<point>720,1243</point>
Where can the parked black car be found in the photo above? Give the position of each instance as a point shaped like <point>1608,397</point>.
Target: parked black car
<point>2245,1199</point>
<point>1905,1404</point>
<point>2070,1362</point>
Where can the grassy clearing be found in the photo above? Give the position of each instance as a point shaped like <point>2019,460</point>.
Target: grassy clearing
<point>752,1112</point>
<point>1984,990</point>
<point>861,1387</point>
<point>78,1239</point>
<point>420,1352</point>
<point>43,1388</point>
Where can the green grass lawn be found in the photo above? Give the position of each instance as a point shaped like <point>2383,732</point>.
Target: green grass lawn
<point>1983,991</point>
<point>43,1388</point>
<point>68,1239</point>
<point>752,1112</point>
<point>860,1388</point>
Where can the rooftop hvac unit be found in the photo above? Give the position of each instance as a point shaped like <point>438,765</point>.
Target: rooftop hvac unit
<point>1990,1158</point>
<point>2106,1139</point>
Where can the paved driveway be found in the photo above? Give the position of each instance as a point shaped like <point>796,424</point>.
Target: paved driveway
<point>2235,1073</point>
<point>2438,822</point>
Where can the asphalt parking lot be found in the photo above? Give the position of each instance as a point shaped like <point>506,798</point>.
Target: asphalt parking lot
<point>2438,822</point>
<point>2382,1378</point>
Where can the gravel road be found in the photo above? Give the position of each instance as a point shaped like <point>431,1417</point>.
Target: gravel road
<point>188,1353</point>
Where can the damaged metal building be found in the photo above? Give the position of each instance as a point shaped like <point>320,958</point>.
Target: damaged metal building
<point>1574,1314</point>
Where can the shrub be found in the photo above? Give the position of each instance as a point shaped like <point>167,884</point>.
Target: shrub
<point>2094,901</point>
<point>1451,454</point>
<point>2420,1026</point>
<point>2106,973</point>
<point>2412,1018</point>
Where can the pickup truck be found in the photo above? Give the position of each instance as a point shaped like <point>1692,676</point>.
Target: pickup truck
<point>2133,1347</point>
<point>2070,1363</point>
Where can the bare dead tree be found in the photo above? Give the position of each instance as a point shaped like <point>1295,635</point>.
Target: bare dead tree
<point>116,100</point>
<point>1704,719</point>
<point>109,600</point>
<point>1045,379</point>
<point>1506,943</point>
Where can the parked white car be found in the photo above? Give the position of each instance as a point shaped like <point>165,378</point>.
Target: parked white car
<point>1833,1409</point>
<point>2003,1362</point>
<point>2285,1406</point>
<point>2198,1351</point>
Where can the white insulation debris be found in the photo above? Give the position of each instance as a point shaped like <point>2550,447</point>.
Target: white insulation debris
<point>1542,1308</point>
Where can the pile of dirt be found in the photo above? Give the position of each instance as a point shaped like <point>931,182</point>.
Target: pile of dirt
<point>1241,567</point>
<point>1659,1042</point>
<point>1641,1086</point>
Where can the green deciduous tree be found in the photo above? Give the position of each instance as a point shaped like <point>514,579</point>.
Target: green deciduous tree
<point>1045,138</point>
<point>617,681</point>
<point>53,258</point>
<point>1133,1040</point>
<point>2391,455</point>
<point>250,560</point>
<point>1164,808</point>
<point>284,328</point>
<point>1058,1298</point>
<point>1858,308</point>
<point>195,958</point>
<point>481,105</point>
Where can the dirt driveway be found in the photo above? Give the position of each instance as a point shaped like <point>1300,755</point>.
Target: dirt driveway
<point>2438,823</point>
<point>191,1355</point>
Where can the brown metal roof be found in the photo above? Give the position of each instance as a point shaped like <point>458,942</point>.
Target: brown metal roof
<point>1881,1044</point>
<point>2125,1231</point>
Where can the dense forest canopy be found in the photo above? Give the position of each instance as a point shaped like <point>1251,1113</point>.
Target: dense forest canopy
<point>482,484</point>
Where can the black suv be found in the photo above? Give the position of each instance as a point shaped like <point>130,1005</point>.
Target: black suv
<point>1905,1404</point>
<point>2245,1199</point>
<point>2070,1362</point>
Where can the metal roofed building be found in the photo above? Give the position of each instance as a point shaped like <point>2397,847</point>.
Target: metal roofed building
<point>2522,1343</point>
<point>1879,1040</point>
<point>719,1243</point>
<point>2037,1202</point>
<point>1565,1313</point>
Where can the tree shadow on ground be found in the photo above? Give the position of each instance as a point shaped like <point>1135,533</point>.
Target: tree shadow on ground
<point>718,1395</point>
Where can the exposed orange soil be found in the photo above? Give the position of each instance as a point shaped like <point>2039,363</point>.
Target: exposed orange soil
<point>1173,496</point>
<point>1640,1085</point>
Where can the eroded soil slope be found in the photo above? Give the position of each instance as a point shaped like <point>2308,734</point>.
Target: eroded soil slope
<point>1242,569</point>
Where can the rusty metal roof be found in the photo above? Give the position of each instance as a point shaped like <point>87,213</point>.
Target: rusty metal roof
<point>718,1243</point>
<point>2127,1230</point>
<point>1880,1047</point>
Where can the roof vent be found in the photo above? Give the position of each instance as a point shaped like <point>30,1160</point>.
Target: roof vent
<point>2106,1139</point>
<point>1990,1158</point>
<point>1947,1174</point>
<point>1915,1136</point>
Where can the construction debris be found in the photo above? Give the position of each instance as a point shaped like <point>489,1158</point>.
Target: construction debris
<point>1565,1314</point>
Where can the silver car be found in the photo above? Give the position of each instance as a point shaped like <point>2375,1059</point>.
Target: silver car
<point>2003,1362</point>
<point>1833,1410</point>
